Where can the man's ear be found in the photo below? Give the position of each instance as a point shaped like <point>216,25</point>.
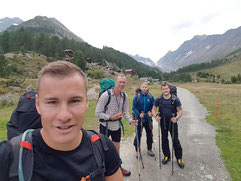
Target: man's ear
<point>37,103</point>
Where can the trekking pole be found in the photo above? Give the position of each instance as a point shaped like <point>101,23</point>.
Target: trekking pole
<point>159,141</point>
<point>140,144</point>
<point>172,141</point>
<point>138,147</point>
<point>138,152</point>
<point>154,148</point>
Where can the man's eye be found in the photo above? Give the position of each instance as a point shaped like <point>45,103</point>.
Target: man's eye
<point>75,101</point>
<point>52,102</point>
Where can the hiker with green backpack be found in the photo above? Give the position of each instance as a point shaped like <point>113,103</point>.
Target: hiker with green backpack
<point>61,149</point>
<point>170,111</point>
<point>111,107</point>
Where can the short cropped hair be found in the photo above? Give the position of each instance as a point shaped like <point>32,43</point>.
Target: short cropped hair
<point>164,84</point>
<point>119,75</point>
<point>61,69</point>
<point>145,83</point>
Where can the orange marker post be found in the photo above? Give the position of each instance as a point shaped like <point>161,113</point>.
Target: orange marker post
<point>217,111</point>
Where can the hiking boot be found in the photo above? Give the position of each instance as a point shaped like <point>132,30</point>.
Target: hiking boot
<point>137,155</point>
<point>180,163</point>
<point>150,152</point>
<point>165,160</point>
<point>125,172</point>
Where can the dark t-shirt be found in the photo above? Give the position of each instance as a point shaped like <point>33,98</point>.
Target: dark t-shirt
<point>50,164</point>
<point>167,109</point>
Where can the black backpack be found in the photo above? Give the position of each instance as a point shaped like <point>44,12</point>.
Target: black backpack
<point>25,116</point>
<point>21,168</point>
<point>173,90</point>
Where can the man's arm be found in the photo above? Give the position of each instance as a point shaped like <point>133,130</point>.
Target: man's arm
<point>154,108</point>
<point>100,107</point>
<point>117,176</point>
<point>179,114</point>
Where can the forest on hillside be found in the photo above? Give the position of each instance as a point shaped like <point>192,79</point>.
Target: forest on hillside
<point>53,48</point>
<point>23,41</point>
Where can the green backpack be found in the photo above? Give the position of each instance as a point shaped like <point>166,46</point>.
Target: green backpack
<point>106,84</point>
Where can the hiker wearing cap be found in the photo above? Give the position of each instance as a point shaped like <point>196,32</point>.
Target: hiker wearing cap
<point>110,109</point>
<point>61,149</point>
<point>170,111</point>
<point>142,107</point>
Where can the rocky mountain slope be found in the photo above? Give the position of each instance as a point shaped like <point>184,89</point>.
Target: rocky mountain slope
<point>200,49</point>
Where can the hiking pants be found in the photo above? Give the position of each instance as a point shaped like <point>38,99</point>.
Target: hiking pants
<point>149,136</point>
<point>165,127</point>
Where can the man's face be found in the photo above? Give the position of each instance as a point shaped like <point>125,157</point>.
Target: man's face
<point>165,90</point>
<point>120,83</point>
<point>62,103</point>
<point>144,88</point>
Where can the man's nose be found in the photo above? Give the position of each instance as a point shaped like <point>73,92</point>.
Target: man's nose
<point>64,113</point>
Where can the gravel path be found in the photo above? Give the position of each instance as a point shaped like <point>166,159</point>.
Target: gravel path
<point>200,152</point>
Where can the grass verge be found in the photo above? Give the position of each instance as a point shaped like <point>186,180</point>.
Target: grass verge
<point>228,121</point>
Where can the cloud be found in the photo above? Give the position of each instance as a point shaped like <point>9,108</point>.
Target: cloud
<point>176,29</point>
<point>208,18</point>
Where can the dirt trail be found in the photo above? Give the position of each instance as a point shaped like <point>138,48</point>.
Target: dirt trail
<point>200,152</point>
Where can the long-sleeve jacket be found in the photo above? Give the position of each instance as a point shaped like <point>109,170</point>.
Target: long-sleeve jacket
<point>112,109</point>
<point>144,104</point>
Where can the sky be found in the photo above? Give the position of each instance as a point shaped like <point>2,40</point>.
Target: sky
<point>149,28</point>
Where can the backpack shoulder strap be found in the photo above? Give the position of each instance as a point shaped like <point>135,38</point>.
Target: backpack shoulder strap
<point>174,109</point>
<point>124,96</point>
<point>150,97</point>
<point>99,146</point>
<point>108,102</point>
<point>22,166</point>
<point>138,97</point>
<point>173,99</point>
<point>160,101</point>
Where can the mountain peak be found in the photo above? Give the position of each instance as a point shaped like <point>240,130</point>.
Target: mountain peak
<point>146,61</point>
<point>6,22</point>
<point>47,25</point>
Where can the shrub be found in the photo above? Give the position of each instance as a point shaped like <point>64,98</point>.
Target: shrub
<point>95,74</point>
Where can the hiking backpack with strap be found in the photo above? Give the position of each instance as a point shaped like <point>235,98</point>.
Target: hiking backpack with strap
<point>21,168</point>
<point>25,116</point>
<point>173,90</point>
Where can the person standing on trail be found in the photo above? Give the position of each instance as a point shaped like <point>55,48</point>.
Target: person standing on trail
<point>61,149</point>
<point>170,111</point>
<point>110,109</point>
<point>142,107</point>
